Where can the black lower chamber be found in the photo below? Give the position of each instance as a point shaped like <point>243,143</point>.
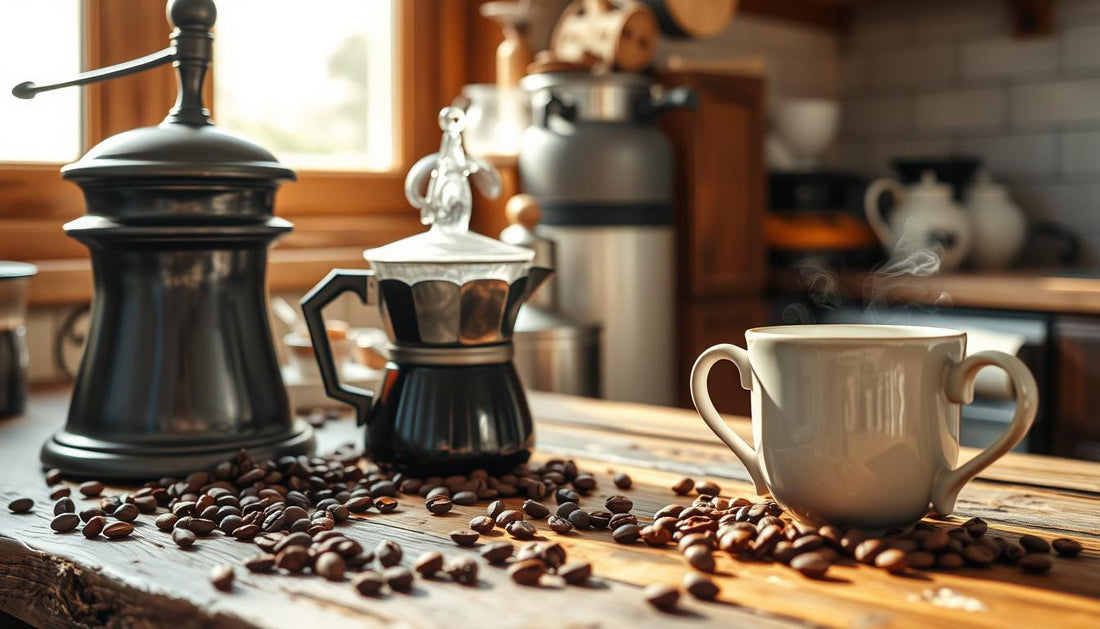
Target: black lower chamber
<point>443,420</point>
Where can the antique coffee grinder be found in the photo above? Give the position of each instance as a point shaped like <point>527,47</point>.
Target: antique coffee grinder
<point>179,371</point>
<point>450,400</point>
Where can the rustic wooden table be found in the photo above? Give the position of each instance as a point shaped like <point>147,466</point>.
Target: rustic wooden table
<point>51,579</point>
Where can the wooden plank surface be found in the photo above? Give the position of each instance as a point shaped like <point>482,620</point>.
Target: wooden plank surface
<point>50,579</point>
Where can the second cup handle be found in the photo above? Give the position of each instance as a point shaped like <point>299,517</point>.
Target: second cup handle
<point>959,387</point>
<point>700,395</point>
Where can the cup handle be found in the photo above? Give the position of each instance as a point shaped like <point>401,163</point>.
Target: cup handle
<point>874,213</point>
<point>700,395</point>
<point>337,282</point>
<point>959,387</point>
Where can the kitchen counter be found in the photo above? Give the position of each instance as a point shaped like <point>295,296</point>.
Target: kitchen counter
<point>1030,291</point>
<point>51,579</point>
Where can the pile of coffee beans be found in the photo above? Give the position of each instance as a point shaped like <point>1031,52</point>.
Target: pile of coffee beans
<point>289,509</point>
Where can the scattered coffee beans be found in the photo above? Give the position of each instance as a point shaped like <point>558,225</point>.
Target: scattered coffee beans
<point>1034,544</point>
<point>812,565</point>
<point>222,577</point>
<point>117,530</point>
<point>618,504</point>
<point>535,509</point>
<point>521,530</point>
<point>260,563</point>
<point>482,524</point>
<point>388,553</point>
<point>64,505</point>
<point>368,583</point>
<point>683,486</point>
<point>707,488</point>
<point>53,476</point>
<point>438,505</point>
<point>94,526</point>
<point>399,578</point>
<point>576,573</point>
<point>91,488</point>
<point>183,538</point>
<point>65,522</point>
<point>559,525</point>
<point>330,565</point>
<point>21,505</point>
<point>496,552</point>
<point>1035,563</point>
<point>622,481</point>
<point>428,564</point>
<point>464,537</point>
<point>700,587</point>
<point>462,570</point>
<point>1066,547</point>
<point>663,597</point>
<point>626,534</point>
<point>526,572</point>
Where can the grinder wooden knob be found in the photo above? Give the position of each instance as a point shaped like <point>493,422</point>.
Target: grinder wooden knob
<point>523,209</point>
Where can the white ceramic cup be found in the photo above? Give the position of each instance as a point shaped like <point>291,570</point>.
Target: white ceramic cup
<point>858,425</point>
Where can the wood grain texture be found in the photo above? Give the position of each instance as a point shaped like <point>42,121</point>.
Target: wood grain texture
<point>50,579</point>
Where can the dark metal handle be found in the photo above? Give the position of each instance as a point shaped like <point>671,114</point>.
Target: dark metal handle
<point>190,53</point>
<point>336,283</point>
<point>30,89</point>
<point>649,108</point>
<point>546,103</point>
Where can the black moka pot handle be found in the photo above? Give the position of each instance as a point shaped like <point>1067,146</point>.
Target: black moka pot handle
<point>336,283</point>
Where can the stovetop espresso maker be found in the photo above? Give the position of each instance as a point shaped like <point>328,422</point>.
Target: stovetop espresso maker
<point>179,371</point>
<point>450,400</point>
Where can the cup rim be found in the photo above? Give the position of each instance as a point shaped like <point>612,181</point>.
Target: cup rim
<point>854,332</point>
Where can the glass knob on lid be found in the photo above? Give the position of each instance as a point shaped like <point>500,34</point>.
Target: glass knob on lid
<point>445,204</point>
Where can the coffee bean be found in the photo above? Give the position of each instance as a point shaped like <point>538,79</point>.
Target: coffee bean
<point>65,522</point>
<point>807,543</point>
<point>183,538</point>
<point>683,486</point>
<point>359,505</point>
<point>700,557</point>
<point>294,539</point>
<point>669,511</point>
<point>435,490</point>
<point>949,561</point>
<point>496,552</point>
<point>626,534</point>
<point>580,520</point>
<point>389,553</point>
<point>576,573</point>
<point>53,476</point>
<point>293,559</point>
<point>566,508</point>
<point>383,488</point>
<point>368,583</point>
<point>411,485</point>
<point>166,521</point>
<point>736,540</point>
<point>700,587</point>
<point>978,555</point>
<point>707,488</point>
<point>655,535</point>
<point>663,597</point>
<point>811,564</point>
<point>535,509</point>
<point>438,505</point>
<point>64,505</point>
<point>1034,544</point>
<point>1066,547</point>
<point>599,520</point>
<point>565,495</point>
<point>508,516</point>
<point>584,483</point>
<point>495,508</point>
<point>199,526</point>
<point>892,560</point>
<point>976,527</point>
<point>482,524</point>
<point>462,570</point>
<point>61,491</point>
<point>399,578</point>
<point>222,577</point>
<point>622,481</point>
<point>21,505</point>
<point>330,566</point>
<point>385,504</point>
<point>465,498</point>
<point>94,526</point>
<point>428,564</point>
<point>91,489</point>
<point>1036,563</point>
<point>526,572</point>
<point>260,563</point>
<point>464,537</point>
<point>126,513</point>
<point>921,560</point>
<point>618,504</point>
<point>868,550</point>
<point>521,530</point>
<point>117,530</point>
<point>559,525</point>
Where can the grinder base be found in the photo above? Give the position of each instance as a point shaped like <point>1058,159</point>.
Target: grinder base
<point>78,456</point>
<point>443,420</point>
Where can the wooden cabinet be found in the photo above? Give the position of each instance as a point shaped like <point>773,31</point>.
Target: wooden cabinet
<point>720,178</point>
<point>1075,431</point>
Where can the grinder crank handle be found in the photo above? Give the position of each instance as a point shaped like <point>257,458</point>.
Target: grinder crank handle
<point>336,283</point>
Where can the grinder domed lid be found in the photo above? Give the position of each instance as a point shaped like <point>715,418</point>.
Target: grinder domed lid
<point>446,207</point>
<point>186,144</point>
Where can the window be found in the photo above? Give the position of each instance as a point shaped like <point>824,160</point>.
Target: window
<point>346,92</point>
<point>324,103</point>
<point>49,129</point>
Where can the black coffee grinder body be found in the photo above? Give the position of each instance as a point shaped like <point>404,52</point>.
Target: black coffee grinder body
<point>179,371</point>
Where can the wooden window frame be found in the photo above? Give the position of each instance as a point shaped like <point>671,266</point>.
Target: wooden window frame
<point>335,214</point>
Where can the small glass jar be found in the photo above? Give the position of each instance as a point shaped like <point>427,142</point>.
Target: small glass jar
<point>14,278</point>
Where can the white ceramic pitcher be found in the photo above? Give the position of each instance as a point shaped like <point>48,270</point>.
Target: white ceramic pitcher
<point>925,219</point>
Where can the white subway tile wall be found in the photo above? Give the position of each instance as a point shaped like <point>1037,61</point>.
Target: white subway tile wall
<point>945,76</point>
